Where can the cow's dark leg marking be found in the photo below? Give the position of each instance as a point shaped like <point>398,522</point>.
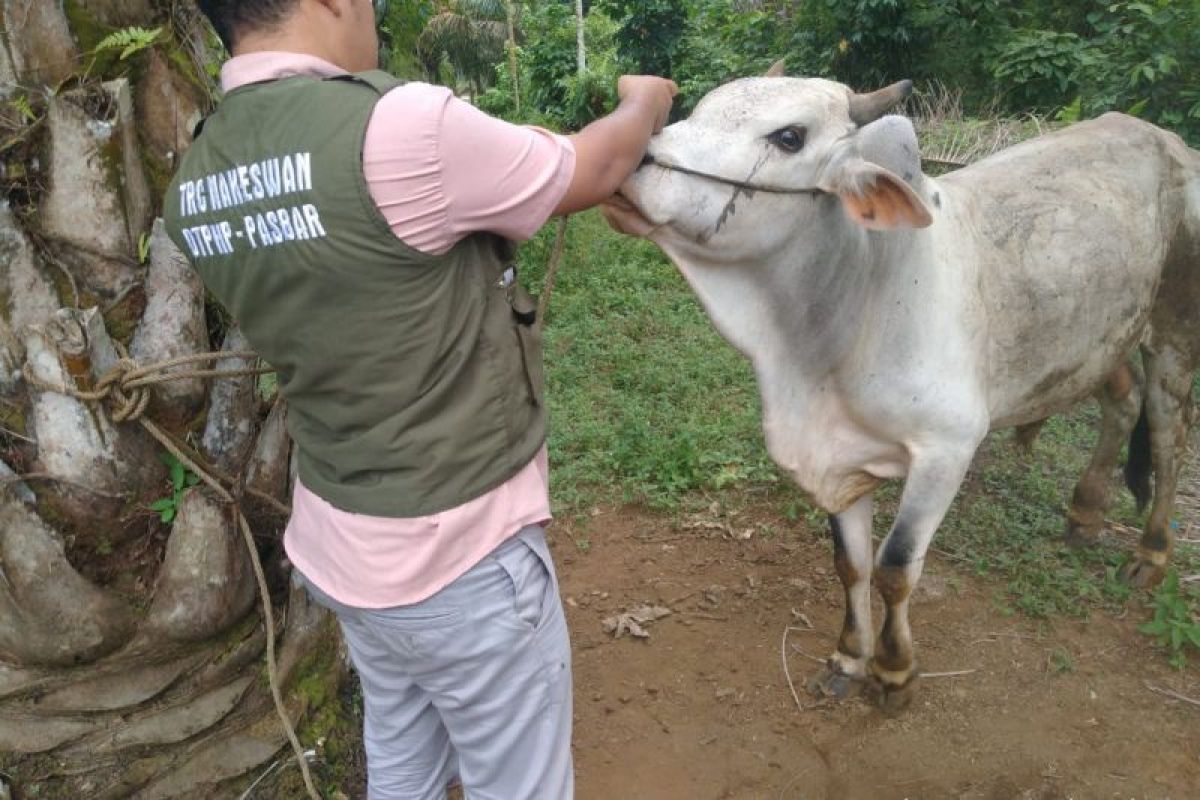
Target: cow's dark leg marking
<point>932,483</point>
<point>1120,403</point>
<point>1169,411</point>
<point>847,667</point>
<point>894,668</point>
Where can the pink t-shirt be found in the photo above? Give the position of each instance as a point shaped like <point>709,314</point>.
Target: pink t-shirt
<point>439,169</point>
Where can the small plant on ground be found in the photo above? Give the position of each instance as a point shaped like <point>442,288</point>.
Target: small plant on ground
<point>182,479</point>
<point>1176,622</point>
<point>1061,661</point>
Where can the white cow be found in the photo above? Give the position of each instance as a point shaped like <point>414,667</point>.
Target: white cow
<point>893,319</point>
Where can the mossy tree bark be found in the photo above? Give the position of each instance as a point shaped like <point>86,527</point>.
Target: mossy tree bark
<point>131,647</point>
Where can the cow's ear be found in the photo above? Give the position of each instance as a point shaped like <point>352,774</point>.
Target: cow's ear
<point>778,69</point>
<point>877,198</point>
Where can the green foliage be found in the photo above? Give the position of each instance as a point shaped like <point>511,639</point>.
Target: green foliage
<point>267,386</point>
<point>1041,67</point>
<point>130,41</point>
<point>463,41</point>
<point>399,31</point>
<point>181,479</point>
<point>722,44</point>
<point>1145,59</point>
<point>649,32</point>
<point>587,96</point>
<point>866,42</point>
<point>1176,622</point>
<point>555,94</point>
<point>21,104</point>
<point>143,247</point>
<point>962,37</point>
<point>548,56</point>
<point>1072,112</point>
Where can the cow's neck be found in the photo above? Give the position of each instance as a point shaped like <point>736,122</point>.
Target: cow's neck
<point>810,317</point>
<point>810,304</point>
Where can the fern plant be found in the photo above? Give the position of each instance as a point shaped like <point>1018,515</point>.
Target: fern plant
<point>132,40</point>
<point>21,104</point>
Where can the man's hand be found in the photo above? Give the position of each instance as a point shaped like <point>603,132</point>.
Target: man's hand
<point>610,149</point>
<point>659,93</point>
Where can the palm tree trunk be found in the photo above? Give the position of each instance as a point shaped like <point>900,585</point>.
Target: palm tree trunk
<point>580,48</point>
<point>123,673</point>
<point>511,46</point>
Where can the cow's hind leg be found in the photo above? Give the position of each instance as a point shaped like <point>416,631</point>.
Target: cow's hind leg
<point>1120,402</point>
<point>846,669</point>
<point>933,481</point>
<point>1168,410</point>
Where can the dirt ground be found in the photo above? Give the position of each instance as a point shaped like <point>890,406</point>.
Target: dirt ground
<point>702,709</point>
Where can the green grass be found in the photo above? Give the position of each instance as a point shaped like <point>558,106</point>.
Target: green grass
<point>650,406</point>
<point>1008,523</point>
<point>647,402</point>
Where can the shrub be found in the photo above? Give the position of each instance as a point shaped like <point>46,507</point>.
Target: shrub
<point>1146,60</point>
<point>1040,68</point>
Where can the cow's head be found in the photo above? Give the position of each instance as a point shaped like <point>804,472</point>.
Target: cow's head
<point>778,133</point>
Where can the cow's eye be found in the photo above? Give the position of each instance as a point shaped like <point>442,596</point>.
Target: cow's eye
<point>789,140</point>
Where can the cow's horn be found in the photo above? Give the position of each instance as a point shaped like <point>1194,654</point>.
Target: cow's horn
<point>866,108</point>
<point>777,70</point>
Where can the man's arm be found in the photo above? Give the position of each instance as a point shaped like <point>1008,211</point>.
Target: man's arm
<point>610,149</point>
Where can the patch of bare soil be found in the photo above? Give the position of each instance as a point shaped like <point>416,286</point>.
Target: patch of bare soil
<point>701,709</point>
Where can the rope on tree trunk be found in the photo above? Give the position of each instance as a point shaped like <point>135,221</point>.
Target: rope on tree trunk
<point>125,388</point>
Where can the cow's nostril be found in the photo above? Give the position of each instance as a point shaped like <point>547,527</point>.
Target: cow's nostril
<point>646,160</point>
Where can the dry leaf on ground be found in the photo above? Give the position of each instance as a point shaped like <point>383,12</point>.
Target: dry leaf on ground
<point>631,621</point>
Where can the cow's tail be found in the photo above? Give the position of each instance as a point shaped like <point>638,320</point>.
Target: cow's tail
<point>1138,465</point>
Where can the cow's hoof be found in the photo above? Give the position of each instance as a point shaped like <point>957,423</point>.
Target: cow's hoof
<point>1082,535</point>
<point>1142,574</point>
<point>830,683</point>
<point>893,699</point>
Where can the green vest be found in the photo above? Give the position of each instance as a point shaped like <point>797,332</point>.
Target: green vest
<point>413,381</point>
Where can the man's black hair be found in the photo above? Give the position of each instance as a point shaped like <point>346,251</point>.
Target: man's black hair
<point>230,18</point>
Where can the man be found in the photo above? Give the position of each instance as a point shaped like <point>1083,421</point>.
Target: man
<point>357,230</point>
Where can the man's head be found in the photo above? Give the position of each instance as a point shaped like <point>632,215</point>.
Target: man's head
<point>340,31</point>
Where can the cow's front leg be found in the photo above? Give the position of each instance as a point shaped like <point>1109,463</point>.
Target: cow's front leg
<point>931,486</point>
<point>846,670</point>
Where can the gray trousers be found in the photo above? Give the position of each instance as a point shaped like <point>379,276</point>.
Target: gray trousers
<point>473,683</point>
